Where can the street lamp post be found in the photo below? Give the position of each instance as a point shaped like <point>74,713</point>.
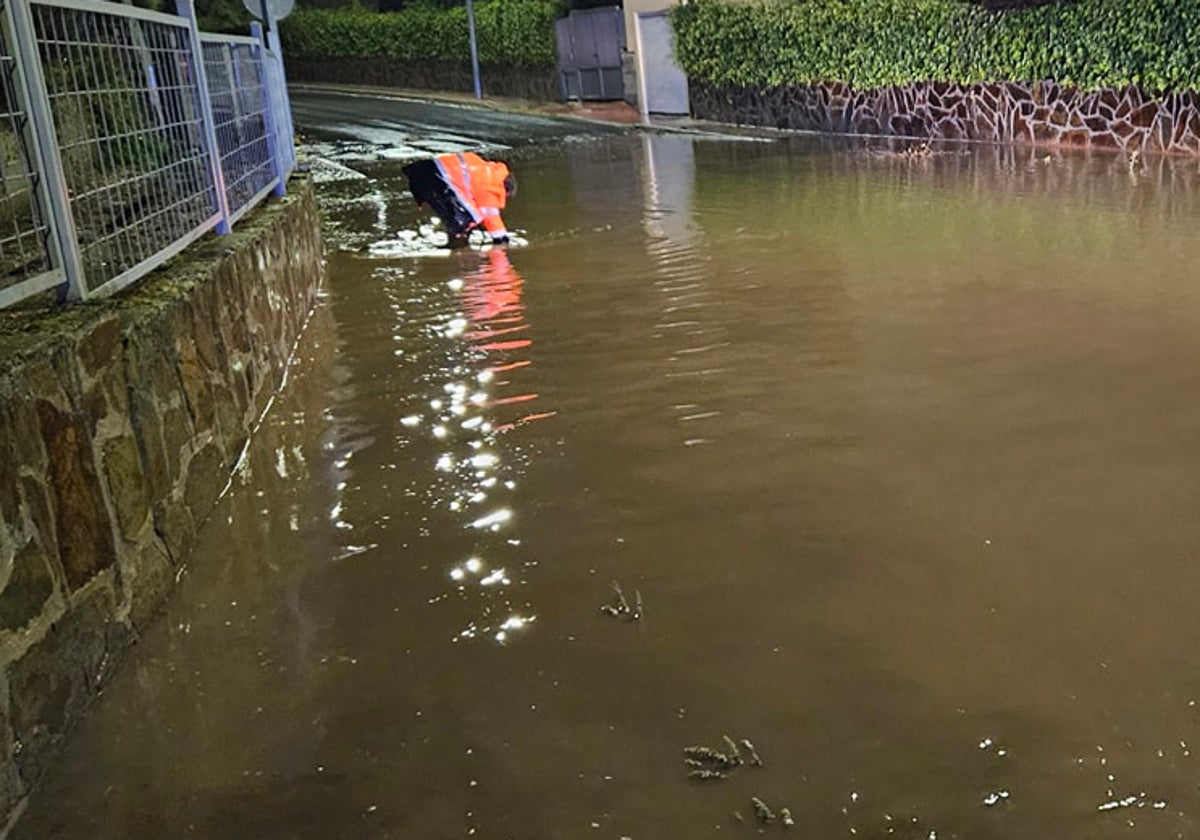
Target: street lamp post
<point>474,49</point>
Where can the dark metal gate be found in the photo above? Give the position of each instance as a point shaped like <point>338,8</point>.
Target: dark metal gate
<point>590,44</point>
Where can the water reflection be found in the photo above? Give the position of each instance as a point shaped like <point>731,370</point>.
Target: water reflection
<point>688,328</point>
<point>475,398</point>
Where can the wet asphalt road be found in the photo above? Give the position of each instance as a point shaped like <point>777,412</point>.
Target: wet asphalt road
<point>427,127</point>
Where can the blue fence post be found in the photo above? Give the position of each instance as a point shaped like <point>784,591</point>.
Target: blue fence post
<point>53,183</point>
<point>187,10</point>
<point>285,105</point>
<point>271,104</point>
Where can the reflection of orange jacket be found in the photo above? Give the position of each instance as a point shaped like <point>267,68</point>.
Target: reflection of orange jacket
<point>479,185</point>
<point>494,290</point>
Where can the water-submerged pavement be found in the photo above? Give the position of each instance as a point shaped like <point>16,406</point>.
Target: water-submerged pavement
<point>898,452</point>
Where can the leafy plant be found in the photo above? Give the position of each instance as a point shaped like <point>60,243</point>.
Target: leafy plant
<point>873,43</point>
<point>511,33</point>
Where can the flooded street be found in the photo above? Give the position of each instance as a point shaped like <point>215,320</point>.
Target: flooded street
<point>898,454</point>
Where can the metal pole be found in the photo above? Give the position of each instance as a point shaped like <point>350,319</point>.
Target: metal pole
<point>45,141</point>
<point>187,11</point>
<point>474,49</point>
<point>285,104</point>
<point>270,108</point>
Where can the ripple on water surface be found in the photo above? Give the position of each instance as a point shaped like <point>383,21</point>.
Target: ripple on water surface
<point>894,456</point>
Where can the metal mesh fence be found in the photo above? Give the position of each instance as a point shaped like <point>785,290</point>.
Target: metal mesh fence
<point>24,232</point>
<point>124,94</point>
<point>238,91</point>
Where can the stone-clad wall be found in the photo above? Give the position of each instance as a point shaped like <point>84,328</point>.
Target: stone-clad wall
<point>120,423</point>
<point>1042,113</point>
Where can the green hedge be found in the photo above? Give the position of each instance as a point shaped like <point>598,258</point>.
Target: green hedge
<point>511,33</point>
<point>873,43</point>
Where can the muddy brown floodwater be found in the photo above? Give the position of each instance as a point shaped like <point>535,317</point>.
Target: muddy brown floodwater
<point>900,454</point>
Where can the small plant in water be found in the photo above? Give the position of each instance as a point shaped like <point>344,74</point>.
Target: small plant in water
<point>620,606</point>
<point>754,759</point>
<point>764,814</point>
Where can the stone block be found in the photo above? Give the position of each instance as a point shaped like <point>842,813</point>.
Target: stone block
<point>10,504</point>
<point>148,576</point>
<point>868,125</point>
<point>28,588</point>
<point>207,475</point>
<point>36,497</point>
<point>177,439</point>
<point>1144,115</point>
<point>100,345</point>
<point>84,536</point>
<point>1079,138</point>
<point>52,684</point>
<point>1122,130</point>
<point>1165,130</point>
<point>128,486</point>
<point>1045,133</point>
<point>948,129</point>
<point>173,523</point>
<point>1124,107</point>
<point>147,427</point>
<point>196,386</point>
<point>233,425</point>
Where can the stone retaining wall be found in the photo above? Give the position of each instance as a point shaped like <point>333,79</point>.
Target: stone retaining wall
<point>1042,113</point>
<point>120,423</point>
<point>518,83</point>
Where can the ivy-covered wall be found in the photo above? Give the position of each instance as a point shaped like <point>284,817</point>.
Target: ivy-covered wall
<point>426,47</point>
<point>1093,74</point>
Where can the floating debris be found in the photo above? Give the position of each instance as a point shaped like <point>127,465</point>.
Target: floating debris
<point>734,753</point>
<point>620,606</point>
<point>748,747</point>
<point>995,798</point>
<point>737,815</point>
<point>705,774</point>
<point>623,604</point>
<point>761,811</point>
<point>1127,802</point>
<point>785,817</point>
<point>707,755</point>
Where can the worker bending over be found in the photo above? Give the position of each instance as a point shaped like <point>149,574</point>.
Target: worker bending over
<point>465,191</point>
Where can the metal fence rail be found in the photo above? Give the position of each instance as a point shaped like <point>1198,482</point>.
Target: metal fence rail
<point>143,134</point>
<point>26,258</point>
<point>240,100</point>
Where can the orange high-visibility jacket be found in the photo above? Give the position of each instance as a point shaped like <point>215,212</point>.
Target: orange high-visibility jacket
<point>479,185</point>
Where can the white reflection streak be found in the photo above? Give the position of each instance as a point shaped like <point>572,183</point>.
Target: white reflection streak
<point>493,520</point>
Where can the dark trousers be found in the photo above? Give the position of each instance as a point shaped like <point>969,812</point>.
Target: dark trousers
<point>427,186</point>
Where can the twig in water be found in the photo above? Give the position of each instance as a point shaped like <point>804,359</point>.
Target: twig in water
<point>761,810</point>
<point>734,753</point>
<point>754,759</point>
<point>623,605</point>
